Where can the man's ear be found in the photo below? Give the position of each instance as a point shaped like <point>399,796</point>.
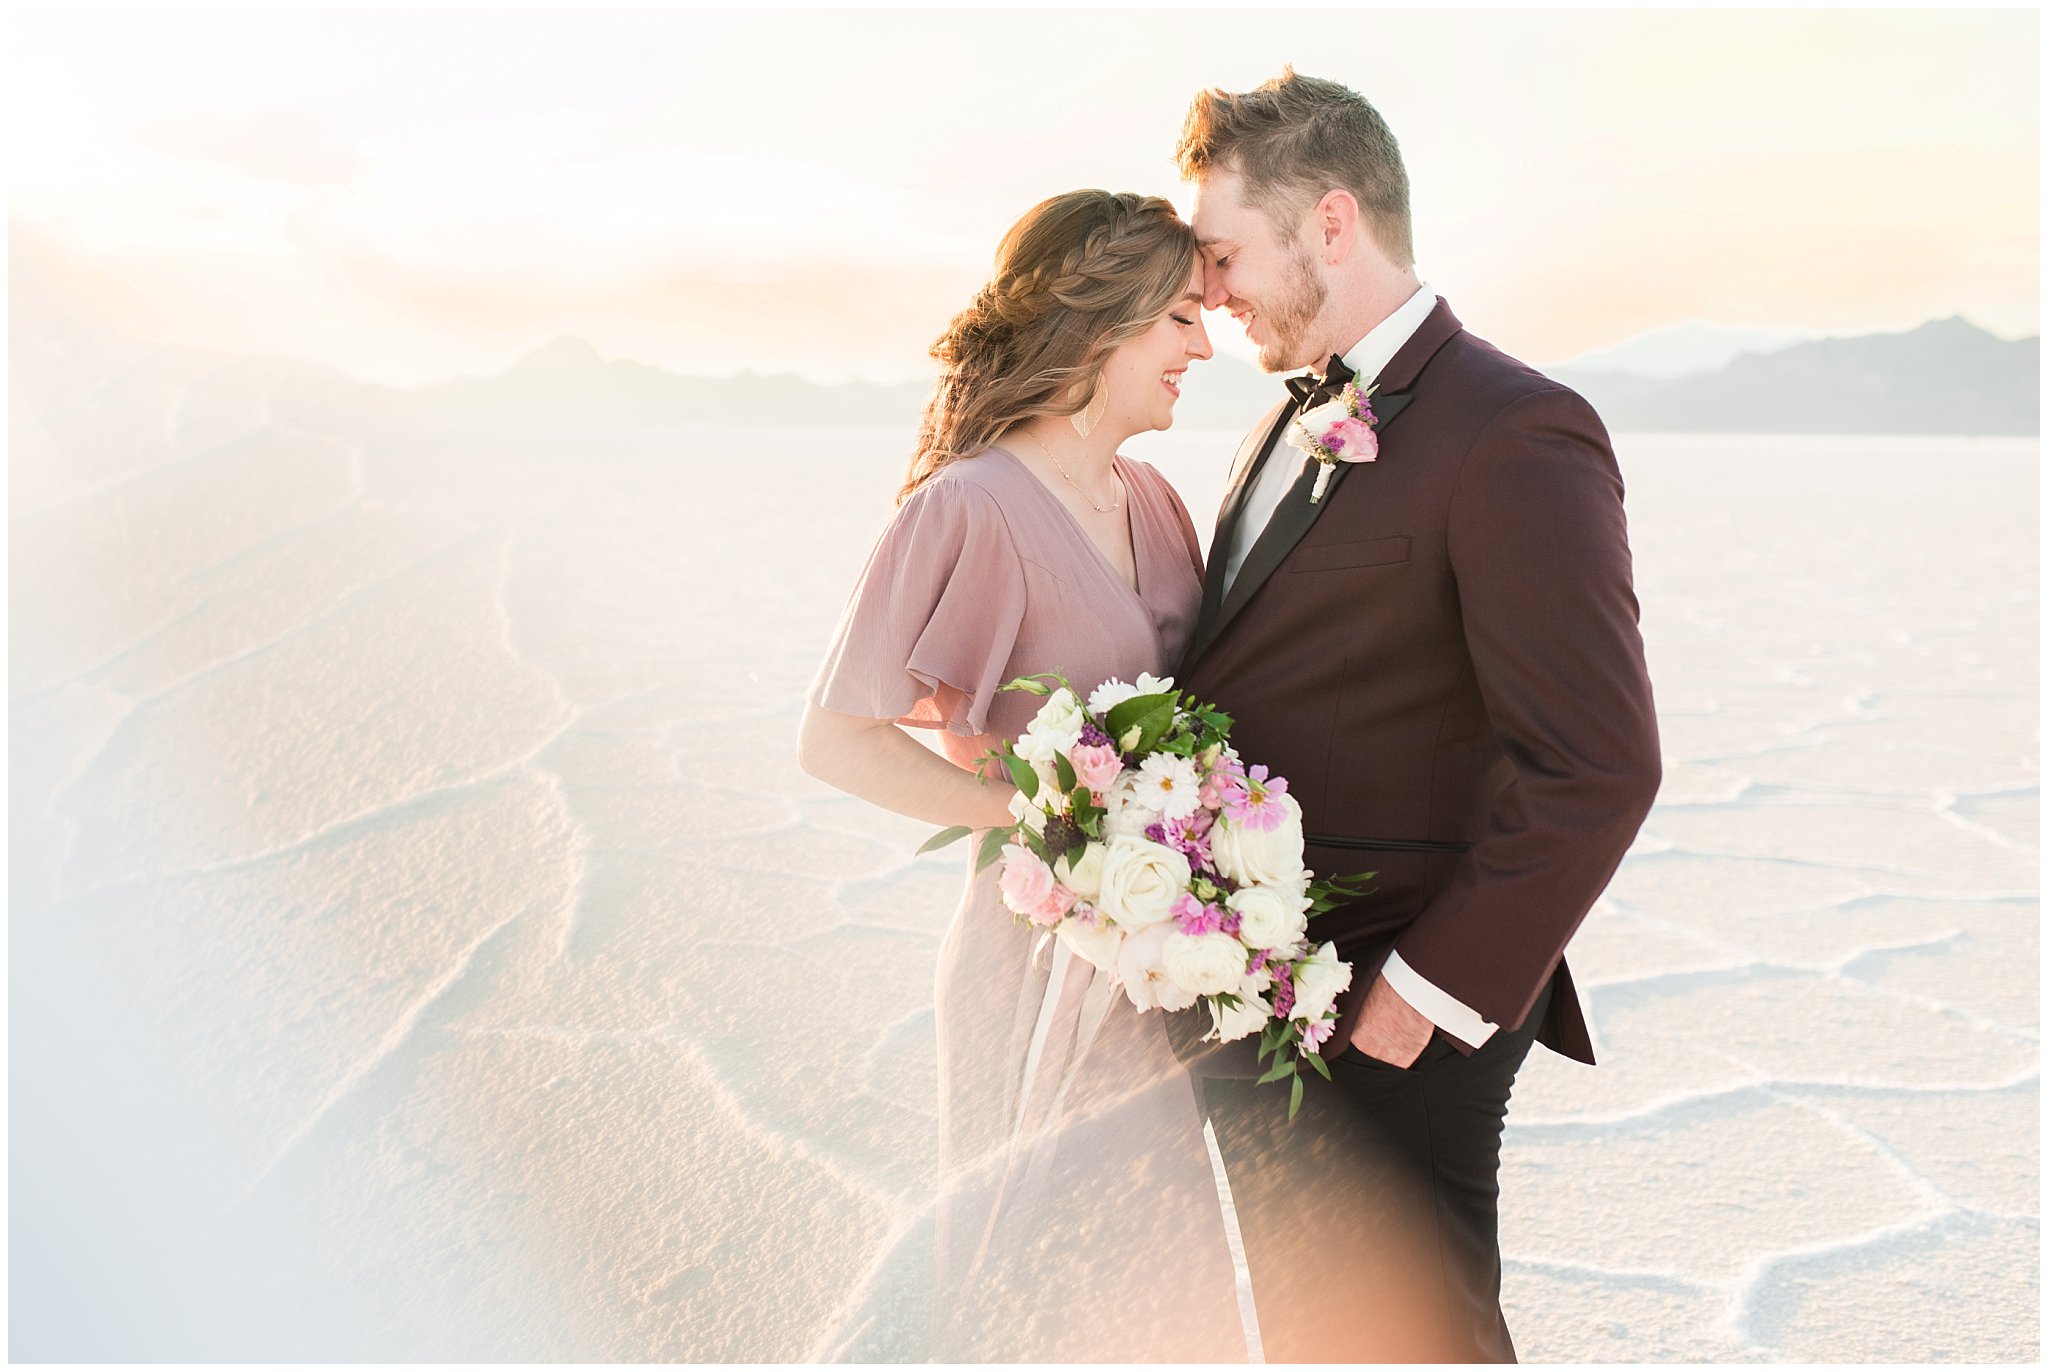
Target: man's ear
<point>1335,223</point>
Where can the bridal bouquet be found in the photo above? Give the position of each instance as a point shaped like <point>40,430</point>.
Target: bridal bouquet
<point>1145,844</point>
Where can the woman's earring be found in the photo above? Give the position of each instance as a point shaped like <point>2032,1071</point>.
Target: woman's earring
<point>1088,418</point>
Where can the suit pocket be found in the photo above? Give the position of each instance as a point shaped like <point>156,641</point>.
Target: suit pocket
<point>1330,557</point>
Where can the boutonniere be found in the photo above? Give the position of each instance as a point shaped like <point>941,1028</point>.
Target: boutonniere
<point>1340,430</point>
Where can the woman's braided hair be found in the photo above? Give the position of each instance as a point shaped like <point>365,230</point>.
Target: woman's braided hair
<point>1077,277</point>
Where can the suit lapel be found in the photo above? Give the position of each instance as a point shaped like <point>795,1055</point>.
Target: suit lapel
<point>1292,521</point>
<point>1245,468</point>
<point>1295,515</point>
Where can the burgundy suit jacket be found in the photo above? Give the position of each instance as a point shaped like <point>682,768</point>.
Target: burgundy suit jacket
<point>1442,657</point>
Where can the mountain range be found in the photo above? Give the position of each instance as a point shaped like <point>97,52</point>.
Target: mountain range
<point>1945,377</point>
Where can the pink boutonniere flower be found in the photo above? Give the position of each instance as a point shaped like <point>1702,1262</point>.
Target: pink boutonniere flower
<point>1343,430</point>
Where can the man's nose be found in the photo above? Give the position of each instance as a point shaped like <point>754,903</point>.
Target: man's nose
<point>1214,292</point>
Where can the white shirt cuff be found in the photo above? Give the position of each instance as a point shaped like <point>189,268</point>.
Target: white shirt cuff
<point>1438,1006</point>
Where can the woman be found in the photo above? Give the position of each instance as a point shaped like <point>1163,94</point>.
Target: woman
<point>1078,1218</point>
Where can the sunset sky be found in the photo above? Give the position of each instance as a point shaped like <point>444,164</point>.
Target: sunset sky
<point>410,196</point>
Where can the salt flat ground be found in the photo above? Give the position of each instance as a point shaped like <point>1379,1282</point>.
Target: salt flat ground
<point>424,945</point>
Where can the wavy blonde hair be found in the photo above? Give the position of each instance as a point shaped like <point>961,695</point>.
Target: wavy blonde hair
<point>1077,277</point>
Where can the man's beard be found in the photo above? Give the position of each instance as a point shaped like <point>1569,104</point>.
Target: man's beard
<point>1289,320</point>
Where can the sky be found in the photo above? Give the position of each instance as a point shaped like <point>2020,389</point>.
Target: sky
<point>414,195</point>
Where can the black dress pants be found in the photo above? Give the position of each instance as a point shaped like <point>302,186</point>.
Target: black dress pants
<point>1371,1220</point>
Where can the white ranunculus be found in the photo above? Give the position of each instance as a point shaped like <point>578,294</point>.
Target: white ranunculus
<point>1141,966</point>
<point>1269,917</point>
<point>1229,1024</point>
<point>1261,857</point>
<point>1098,943</point>
<point>1124,815</point>
<point>1140,881</point>
<point>1206,964</point>
<point>1318,982</point>
<point>1082,875</point>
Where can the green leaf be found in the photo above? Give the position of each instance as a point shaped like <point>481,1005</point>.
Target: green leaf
<point>1023,774</point>
<point>944,837</point>
<point>1315,1060</point>
<point>1152,714</point>
<point>1279,1070</point>
<point>991,847</point>
<point>1294,1102</point>
<point>1063,772</point>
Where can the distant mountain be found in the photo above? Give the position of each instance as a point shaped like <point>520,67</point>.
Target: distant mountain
<point>1685,349</point>
<point>1946,377</point>
<point>567,383</point>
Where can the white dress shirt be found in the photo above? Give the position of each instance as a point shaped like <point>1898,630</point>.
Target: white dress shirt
<point>1367,358</point>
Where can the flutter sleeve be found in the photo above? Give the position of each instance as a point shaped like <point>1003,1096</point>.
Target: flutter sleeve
<point>927,635</point>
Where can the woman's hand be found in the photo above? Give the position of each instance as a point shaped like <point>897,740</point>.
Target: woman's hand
<point>883,765</point>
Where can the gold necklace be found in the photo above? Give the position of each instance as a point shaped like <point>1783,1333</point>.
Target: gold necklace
<point>1110,508</point>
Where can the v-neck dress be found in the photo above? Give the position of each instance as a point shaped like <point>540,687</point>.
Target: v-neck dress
<point>1077,1215</point>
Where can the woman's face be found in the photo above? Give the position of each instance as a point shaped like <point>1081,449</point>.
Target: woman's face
<point>1144,375</point>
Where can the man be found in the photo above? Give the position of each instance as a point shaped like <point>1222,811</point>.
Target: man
<point>1441,655</point>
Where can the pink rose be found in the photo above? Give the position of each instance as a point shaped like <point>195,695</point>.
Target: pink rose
<point>1026,882</point>
<point>1057,902</point>
<point>1352,440</point>
<point>1096,765</point>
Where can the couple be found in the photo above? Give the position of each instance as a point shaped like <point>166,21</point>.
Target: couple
<point>1441,655</point>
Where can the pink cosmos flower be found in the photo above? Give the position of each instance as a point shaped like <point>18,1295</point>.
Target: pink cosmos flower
<point>1095,766</point>
<point>1219,781</point>
<point>1193,918</point>
<point>1251,802</point>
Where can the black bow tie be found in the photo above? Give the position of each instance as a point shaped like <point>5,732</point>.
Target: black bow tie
<point>1311,391</point>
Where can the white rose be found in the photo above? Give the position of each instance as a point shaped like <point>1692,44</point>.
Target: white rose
<point>1083,875</point>
<point>1229,1024</point>
<point>1206,964</point>
<point>1030,811</point>
<point>1098,943</point>
<point>1141,966</point>
<point>1140,881</point>
<point>1124,816</point>
<point>1268,917</point>
<point>1058,721</point>
<point>1317,983</point>
<point>1261,857</point>
<point>1323,416</point>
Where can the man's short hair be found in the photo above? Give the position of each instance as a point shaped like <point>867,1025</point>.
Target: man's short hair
<point>1295,139</point>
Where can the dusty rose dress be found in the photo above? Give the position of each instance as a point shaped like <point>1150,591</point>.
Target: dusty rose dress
<point>1077,1218</point>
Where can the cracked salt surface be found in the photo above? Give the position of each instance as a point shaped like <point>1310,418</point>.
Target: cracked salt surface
<point>427,948</point>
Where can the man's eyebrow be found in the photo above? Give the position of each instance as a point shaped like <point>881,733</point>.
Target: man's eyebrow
<point>1207,242</point>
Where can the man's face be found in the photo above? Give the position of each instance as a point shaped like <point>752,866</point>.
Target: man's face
<point>1270,282</point>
